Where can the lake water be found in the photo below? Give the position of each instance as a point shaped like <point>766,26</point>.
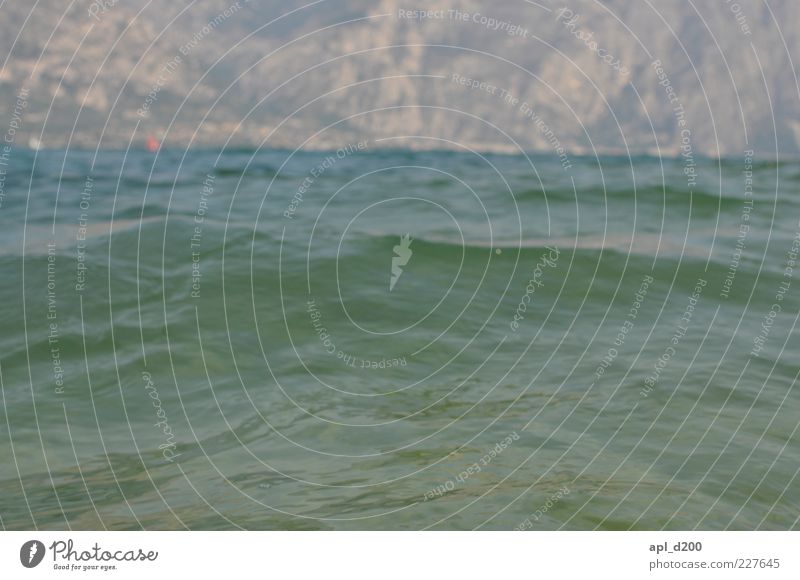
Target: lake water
<point>370,339</point>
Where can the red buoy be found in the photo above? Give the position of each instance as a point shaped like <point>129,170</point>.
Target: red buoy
<point>152,144</point>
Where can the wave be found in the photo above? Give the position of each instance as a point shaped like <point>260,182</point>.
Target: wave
<point>650,194</point>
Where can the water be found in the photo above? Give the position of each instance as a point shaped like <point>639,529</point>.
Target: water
<point>600,345</point>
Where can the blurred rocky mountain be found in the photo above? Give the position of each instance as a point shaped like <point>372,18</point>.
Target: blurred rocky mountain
<point>495,76</point>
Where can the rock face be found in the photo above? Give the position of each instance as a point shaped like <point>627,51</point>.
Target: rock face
<point>711,78</point>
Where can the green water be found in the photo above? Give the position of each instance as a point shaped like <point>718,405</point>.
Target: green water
<point>213,341</point>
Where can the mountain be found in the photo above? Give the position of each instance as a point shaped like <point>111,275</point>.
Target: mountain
<point>612,77</point>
